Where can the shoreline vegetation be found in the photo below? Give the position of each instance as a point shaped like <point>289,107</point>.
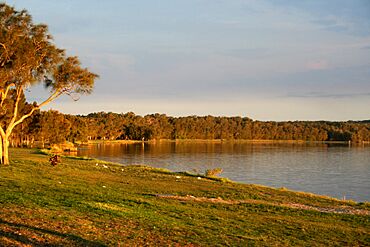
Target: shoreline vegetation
<point>95,203</point>
<point>51,127</point>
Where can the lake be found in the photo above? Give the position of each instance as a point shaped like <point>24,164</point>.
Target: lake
<point>336,170</point>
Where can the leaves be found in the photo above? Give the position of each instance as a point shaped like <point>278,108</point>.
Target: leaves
<point>71,78</point>
<point>28,56</point>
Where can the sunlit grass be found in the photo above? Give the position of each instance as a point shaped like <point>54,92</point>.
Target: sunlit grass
<point>94,203</point>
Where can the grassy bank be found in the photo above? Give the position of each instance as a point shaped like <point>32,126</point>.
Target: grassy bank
<point>90,203</point>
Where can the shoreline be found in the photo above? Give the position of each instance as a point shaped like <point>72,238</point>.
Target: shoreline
<point>256,141</point>
<point>188,173</point>
<point>90,203</point>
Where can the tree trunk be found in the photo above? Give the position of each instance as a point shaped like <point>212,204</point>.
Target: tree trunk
<point>1,150</point>
<point>5,154</point>
<point>28,141</point>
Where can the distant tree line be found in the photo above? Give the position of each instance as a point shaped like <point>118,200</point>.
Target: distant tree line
<point>49,127</point>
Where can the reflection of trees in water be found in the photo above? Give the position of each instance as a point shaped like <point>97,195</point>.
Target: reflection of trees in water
<point>193,147</point>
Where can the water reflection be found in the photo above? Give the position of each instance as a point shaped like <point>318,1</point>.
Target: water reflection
<point>330,169</point>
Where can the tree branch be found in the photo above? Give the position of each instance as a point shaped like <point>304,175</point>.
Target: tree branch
<point>3,46</point>
<point>55,95</point>
<point>2,133</point>
<point>5,53</point>
<point>15,111</point>
<point>5,94</point>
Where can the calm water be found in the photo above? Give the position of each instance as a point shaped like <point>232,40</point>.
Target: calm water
<point>326,169</point>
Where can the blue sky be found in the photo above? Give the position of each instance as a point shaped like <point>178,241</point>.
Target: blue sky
<point>268,60</point>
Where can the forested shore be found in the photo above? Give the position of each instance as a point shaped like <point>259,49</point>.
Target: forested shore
<point>49,127</point>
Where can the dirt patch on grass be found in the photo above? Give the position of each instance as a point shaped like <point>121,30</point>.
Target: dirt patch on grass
<point>198,199</point>
<point>337,210</point>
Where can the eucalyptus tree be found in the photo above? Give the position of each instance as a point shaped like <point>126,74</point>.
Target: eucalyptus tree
<point>28,57</point>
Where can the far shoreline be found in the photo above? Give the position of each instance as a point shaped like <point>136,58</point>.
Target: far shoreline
<point>255,141</point>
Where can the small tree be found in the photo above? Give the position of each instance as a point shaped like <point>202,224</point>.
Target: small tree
<point>28,57</point>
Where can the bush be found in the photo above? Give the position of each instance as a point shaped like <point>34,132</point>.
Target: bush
<point>213,172</point>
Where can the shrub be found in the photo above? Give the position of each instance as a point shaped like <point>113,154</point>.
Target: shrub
<point>213,172</point>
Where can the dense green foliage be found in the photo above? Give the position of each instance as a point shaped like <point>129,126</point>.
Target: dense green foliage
<point>54,127</point>
<point>80,203</point>
<point>28,56</point>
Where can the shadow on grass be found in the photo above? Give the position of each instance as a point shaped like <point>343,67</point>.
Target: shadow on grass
<point>214,178</point>
<point>73,239</point>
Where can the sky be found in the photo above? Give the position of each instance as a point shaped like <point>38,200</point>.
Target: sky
<point>264,59</point>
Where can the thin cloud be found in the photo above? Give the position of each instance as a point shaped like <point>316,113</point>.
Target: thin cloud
<point>317,65</point>
<point>341,16</point>
<point>334,24</point>
<point>327,95</point>
<point>251,53</point>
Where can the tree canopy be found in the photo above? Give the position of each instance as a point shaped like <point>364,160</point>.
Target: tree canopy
<point>51,127</point>
<point>28,56</point>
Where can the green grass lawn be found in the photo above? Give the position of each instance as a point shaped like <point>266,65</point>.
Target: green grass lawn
<point>92,203</point>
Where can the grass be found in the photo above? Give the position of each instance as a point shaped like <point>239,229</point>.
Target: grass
<point>93,203</point>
